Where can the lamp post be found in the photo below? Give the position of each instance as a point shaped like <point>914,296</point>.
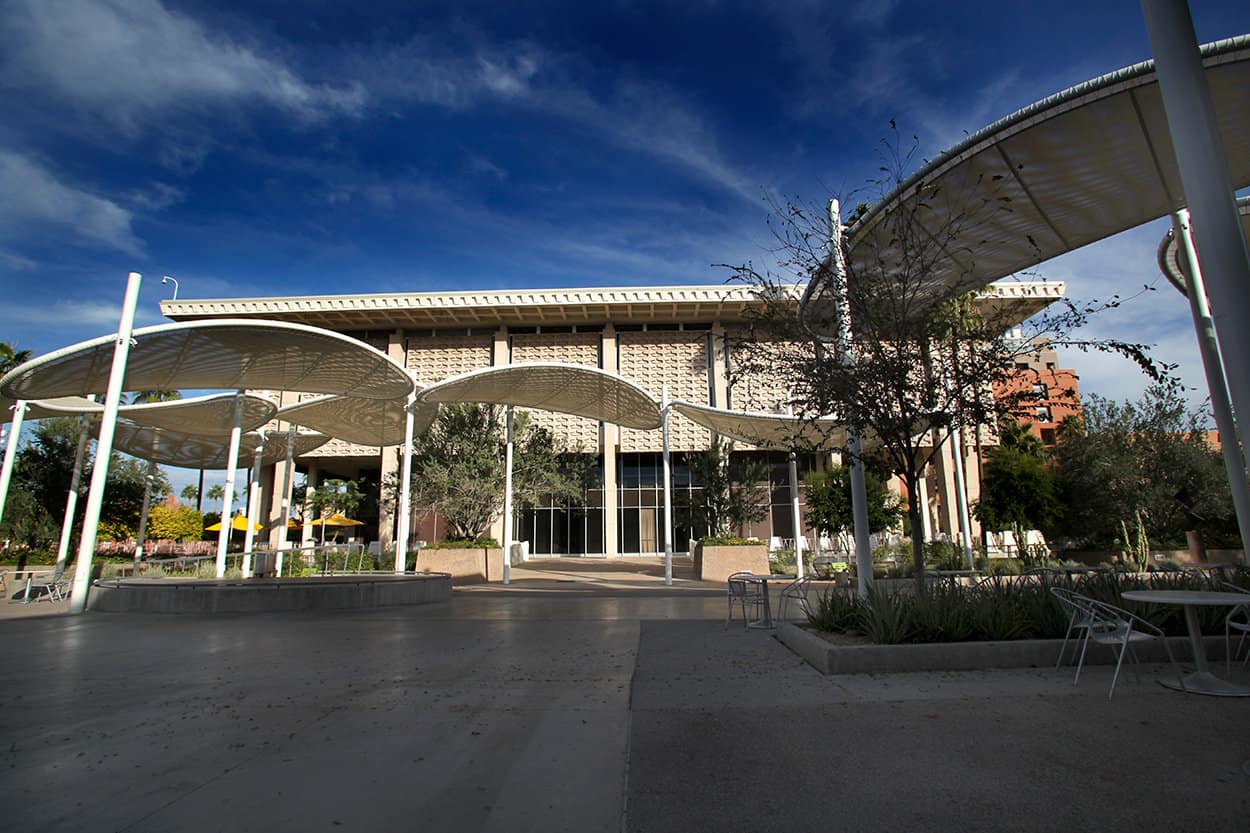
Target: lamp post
<point>174,281</point>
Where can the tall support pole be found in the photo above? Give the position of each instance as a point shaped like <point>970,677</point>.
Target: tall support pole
<point>149,480</point>
<point>795,516</point>
<point>507,503</point>
<point>668,491</point>
<point>71,498</point>
<point>854,444</point>
<point>253,507</point>
<point>402,532</point>
<point>104,448</point>
<point>227,499</point>
<point>961,497</point>
<point>1205,178</point>
<point>287,486</point>
<point>1217,383</point>
<point>10,452</point>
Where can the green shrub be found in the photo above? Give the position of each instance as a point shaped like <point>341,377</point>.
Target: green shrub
<point>464,544</point>
<point>729,541</point>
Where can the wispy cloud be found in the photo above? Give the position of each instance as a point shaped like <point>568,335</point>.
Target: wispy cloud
<point>130,62</point>
<point>44,200</point>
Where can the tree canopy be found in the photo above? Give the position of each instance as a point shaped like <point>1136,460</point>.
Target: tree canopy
<point>828,495</point>
<point>731,494</point>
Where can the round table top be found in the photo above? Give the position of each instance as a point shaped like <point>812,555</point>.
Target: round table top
<point>1188,597</point>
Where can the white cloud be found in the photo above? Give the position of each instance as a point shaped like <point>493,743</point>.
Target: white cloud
<point>36,197</point>
<point>135,61</point>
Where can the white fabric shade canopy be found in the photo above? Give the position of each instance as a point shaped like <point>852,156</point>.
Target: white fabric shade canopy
<point>211,415</point>
<point>212,355</point>
<point>1074,168</point>
<point>551,386</point>
<point>374,422</point>
<point>774,431</point>
<point>174,448</point>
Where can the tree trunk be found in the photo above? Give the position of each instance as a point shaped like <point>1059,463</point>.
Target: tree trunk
<point>917,530</point>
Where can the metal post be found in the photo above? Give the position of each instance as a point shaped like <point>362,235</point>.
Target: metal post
<point>507,504</point>
<point>140,536</point>
<point>286,499</point>
<point>403,531</point>
<point>668,491</point>
<point>104,448</point>
<point>10,452</point>
<point>253,507</point>
<point>227,499</point>
<point>1217,383</point>
<point>961,497</point>
<point>795,516</point>
<point>1204,171</point>
<point>71,499</point>
<point>854,444</point>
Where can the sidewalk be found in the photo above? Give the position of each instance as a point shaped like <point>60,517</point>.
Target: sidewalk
<point>575,706</point>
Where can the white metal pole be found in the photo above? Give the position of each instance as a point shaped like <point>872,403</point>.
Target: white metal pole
<point>507,503</point>
<point>402,531</point>
<point>104,447</point>
<point>961,496</point>
<point>854,444</point>
<point>71,498</point>
<point>10,452</point>
<point>668,491</point>
<point>1204,171</point>
<point>795,516</point>
<point>148,480</point>
<point>1217,383</point>
<point>227,499</point>
<point>253,507</point>
<point>286,499</point>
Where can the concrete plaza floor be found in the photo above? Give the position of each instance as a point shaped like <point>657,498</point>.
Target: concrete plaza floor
<point>582,698</point>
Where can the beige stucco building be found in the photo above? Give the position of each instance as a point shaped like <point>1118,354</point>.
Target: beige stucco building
<point>659,337</point>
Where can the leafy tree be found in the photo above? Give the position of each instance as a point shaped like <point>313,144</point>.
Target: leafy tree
<point>1017,488</point>
<point>336,496</point>
<point>178,523</point>
<point>1148,457</point>
<point>828,496</point>
<point>123,494</point>
<point>917,370</point>
<point>459,468</point>
<point>731,493</point>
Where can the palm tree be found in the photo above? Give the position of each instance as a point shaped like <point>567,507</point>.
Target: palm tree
<point>144,397</point>
<point>10,358</point>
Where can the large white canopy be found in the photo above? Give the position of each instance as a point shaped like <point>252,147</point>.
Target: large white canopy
<point>211,415</point>
<point>1074,168</point>
<point>213,355</point>
<point>375,422</point>
<point>775,431</point>
<point>174,448</point>
<point>552,386</point>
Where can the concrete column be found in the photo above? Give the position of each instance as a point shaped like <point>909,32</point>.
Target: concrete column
<point>609,442</point>
<point>390,459</point>
<point>720,368</point>
<point>308,534</point>
<point>948,506</point>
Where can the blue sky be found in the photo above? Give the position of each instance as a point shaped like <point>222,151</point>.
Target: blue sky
<point>271,148</point>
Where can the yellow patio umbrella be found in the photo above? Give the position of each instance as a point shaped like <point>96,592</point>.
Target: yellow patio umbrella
<point>237,524</point>
<point>333,520</point>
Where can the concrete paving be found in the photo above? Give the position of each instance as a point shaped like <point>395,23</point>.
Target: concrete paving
<point>568,703</point>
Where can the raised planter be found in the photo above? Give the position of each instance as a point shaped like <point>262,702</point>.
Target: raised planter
<point>139,595</point>
<point>828,658</point>
<point>717,562</point>
<point>466,566</point>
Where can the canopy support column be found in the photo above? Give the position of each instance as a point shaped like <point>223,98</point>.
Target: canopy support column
<point>10,452</point>
<point>1217,382</point>
<point>402,531</point>
<point>507,502</point>
<point>253,507</point>
<point>104,448</point>
<point>286,499</point>
<point>668,491</point>
<point>854,444</point>
<point>795,515</point>
<point>71,498</point>
<point>1205,178</point>
<point>227,499</point>
<point>961,497</point>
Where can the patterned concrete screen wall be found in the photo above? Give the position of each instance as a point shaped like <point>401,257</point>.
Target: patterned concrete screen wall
<point>568,348</point>
<point>679,359</point>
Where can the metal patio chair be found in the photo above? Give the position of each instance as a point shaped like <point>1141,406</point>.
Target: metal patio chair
<point>797,591</point>
<point>1238,619</point>
<point>744,593</point>
<point>1119,630</point>
<point>1078,621</point>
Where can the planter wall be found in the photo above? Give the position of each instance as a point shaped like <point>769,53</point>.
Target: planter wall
<point>717,563</point>
<point>466,566</point>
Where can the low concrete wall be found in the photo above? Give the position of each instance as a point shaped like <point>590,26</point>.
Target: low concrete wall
<point>717,563</point>
<point>828,658</point>
<point>254,595</point>
<point>465,566</point>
